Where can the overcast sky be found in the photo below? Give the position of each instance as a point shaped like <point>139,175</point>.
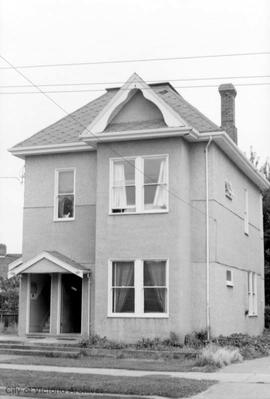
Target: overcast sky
<point>69,31</point>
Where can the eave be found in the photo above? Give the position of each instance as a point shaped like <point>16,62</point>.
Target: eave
<point>22,152</point>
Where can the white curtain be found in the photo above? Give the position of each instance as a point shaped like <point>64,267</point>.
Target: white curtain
<point>119,190</point>
<point>160,199</point>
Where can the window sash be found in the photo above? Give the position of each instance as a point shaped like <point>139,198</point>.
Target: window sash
<point>252,294</point>
<point>58,195</point>
<point>138,291</point>
<point>140,185</point>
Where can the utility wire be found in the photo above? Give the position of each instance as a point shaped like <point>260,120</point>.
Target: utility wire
<point>101,90</point>
<point>149,81</point>
<point>86,128</point>
<point>125,61</point>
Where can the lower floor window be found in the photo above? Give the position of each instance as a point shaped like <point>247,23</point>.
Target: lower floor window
<point>138,287</point>
<point>252,294</point>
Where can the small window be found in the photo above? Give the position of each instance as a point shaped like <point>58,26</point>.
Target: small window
<point>155,183</point>
<point>155,289</point>
<point>252,294</point>
<point>123,287</point>
<point>123,186</point>
<point>64,199</point>
<point>228,190</point>
<point>229,278</point>
<point>246,216</point>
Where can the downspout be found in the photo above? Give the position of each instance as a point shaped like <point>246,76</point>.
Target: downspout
<point>207,241</point>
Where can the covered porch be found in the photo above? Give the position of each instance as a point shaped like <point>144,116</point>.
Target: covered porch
<point>54,295</point>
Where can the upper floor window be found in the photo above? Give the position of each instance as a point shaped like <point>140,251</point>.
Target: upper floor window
<point>139,184</point>
<point>64,194</point>
<point>246,216</point>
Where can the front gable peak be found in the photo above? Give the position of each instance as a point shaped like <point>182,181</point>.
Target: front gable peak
<point>134,88</point>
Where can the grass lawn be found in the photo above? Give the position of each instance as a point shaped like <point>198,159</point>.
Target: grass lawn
<point>67,383</point>
<point>106,362</point>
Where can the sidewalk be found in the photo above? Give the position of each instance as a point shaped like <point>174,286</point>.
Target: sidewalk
<point>243,373</point>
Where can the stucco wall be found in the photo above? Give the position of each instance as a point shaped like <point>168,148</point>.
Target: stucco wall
<point>230,247</point>
<point>75,239</point>
<point>145,236</point>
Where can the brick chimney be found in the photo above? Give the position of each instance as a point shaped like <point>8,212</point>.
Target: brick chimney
<point>3,250</point>
<point>228,94</point>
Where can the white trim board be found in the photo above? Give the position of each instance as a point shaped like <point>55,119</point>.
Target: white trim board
<point>124,94</point>
<point>45,255</point>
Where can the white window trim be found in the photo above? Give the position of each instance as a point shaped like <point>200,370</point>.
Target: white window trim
<point>139,183</point>
<point>138,287</point>
<point>55,202</point>
<point>229,283</point>
<point>252,295</point>
<point>246,213</point>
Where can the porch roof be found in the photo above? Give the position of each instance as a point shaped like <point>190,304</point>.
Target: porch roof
<point>60,261</point>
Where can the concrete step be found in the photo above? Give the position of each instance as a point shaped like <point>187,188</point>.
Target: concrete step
<point>39,347</point>
<point>39,352</point>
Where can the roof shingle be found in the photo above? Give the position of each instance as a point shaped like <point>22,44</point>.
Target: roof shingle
<point>68,129</point>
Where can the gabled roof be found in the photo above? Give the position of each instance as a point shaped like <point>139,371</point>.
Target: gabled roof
<point>68,129</point>
<point>64,262</point>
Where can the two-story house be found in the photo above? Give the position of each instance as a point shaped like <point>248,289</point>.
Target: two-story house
<point>141,217</point>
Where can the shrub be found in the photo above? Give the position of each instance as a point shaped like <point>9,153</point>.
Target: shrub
<point>218,356</point>
<point>196,339</point>
<point>95,341</point>
<point>249,346</point>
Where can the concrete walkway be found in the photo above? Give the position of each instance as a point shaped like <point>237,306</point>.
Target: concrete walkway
<point>230,374</point>
<point>248,380</point>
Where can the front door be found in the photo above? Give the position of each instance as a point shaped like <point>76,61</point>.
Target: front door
<point>71,304</point>
<point>40,303</point>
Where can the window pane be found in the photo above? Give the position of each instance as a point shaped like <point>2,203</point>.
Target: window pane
<point>65,206</point>
<point>154,300</point>
<point>154,170</point>
<point>154,273</point>
<point>66,182</point>
<point>123,274</point>
<point>123,300</point>
<point>124,173</point>
<point>228,275</point>
<point>123,198</point>
<point>155,197</point>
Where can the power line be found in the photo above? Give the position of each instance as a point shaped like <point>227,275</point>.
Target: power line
<point>86,128</point>
<point>149,81</point>
<point>101,90</point>
<point>125,61</point>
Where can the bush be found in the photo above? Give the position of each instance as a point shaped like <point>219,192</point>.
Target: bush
<point>218,356</point>
<point>95,341</point>
<point>196,339</point>
<point>249,346</point>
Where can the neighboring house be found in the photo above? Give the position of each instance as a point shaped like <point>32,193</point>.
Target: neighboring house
<point>5,260</point>
<point>141,217</point>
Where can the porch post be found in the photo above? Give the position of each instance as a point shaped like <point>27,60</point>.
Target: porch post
<point>54,302</point>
